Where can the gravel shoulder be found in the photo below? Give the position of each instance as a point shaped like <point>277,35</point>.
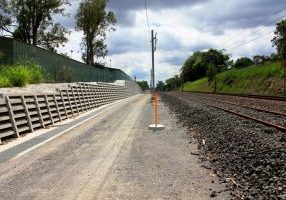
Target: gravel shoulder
<point>249,156</point>
<point>114,156</point>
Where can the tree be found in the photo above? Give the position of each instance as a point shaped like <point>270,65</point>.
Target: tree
<point>279,39</point>
<point>31,21</point>
<point>274,57</point>
<point>143,84</point>
<point>172,83</point>
<point>94,20</point>
<point>197,65</point>
<point>160,85</point>
<point>243,62</point>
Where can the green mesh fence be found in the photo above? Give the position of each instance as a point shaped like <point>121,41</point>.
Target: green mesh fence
<point>58,67</point>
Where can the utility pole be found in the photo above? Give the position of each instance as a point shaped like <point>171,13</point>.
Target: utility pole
<point>154,98</point>
<point>151,82</point>
<point>153,44</point>
<point>284,76</point>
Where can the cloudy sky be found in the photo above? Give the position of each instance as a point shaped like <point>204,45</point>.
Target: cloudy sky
<point>242,27</point>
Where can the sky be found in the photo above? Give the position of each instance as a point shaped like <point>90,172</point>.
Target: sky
<point>241,27</point>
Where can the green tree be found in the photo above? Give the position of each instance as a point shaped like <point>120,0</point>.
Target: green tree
<point>94,20</point>
<point>274,57</point>
<point>194,67</point>
<point>197,65</point>
<point>211,74</point>
<point>279,39</point>
<point>31,21</point>
<point>160,85</point>
<point>219,58</point>
<point>243,62</point>
<point>172,83</point>
<point>143,84</point>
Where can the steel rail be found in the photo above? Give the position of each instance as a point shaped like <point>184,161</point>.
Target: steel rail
<point>264,97</point>
<point>249,107</point>
<point>281,128</point>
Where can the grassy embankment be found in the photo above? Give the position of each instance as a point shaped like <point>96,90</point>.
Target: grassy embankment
<point>264,79</point>
<point>20,74</point>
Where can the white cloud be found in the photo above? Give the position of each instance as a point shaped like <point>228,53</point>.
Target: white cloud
<point>181,31</point>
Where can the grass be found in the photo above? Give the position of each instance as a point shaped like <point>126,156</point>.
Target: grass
<point>20,74</point>
<point>264,79</point>
<point>199,85</point>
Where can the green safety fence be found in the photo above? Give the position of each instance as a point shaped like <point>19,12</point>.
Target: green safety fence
<point>58,67</point>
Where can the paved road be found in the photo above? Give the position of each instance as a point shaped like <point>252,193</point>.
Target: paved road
<point>112,156</point>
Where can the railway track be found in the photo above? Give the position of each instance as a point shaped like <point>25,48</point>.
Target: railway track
<point>264,97</point>
<point>263,116</point>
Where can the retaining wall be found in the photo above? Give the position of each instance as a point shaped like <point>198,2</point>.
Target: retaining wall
<point>20,114</point>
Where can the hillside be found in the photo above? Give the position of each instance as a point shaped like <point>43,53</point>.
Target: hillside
<point>264,79</point>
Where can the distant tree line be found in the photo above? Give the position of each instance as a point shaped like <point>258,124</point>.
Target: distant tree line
<point>32,21</point>
<point>143,84</point>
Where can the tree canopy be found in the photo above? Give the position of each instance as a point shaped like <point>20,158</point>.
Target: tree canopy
<point>172,83</point>
<point>143,84</point>
<point>198,64</point>
<point>279,39</point>
<point>31,21</point>
<point>243,62</point>
<point>160,85</point>
<point>94,20</point>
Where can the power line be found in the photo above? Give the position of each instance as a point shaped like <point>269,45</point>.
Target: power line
<point>251,40</point>
<point>255,31</point>
<point>260,22</point>
<point>147,17</point>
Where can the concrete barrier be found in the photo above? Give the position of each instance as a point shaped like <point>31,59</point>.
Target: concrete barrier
<point>25,113</point>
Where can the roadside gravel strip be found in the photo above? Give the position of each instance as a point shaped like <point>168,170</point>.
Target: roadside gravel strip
<point>248,156</point>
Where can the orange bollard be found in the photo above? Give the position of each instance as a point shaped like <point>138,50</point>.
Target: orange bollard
<point>156,126</point>
<point>156,110</point>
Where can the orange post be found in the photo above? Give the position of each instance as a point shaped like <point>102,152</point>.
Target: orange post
<point>156,126</point>
<point>156,109</point>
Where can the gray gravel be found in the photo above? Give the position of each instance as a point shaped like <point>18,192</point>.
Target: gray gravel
<point>249,156</point>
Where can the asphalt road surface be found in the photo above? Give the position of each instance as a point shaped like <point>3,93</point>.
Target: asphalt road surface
<point>113,156</point>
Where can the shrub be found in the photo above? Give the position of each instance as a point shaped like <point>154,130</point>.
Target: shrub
<point>36,71</point>
<point>4,81</point>
<point>20,74</point>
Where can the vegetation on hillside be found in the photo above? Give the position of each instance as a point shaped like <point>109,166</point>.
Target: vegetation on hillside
<point>264,79</point>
